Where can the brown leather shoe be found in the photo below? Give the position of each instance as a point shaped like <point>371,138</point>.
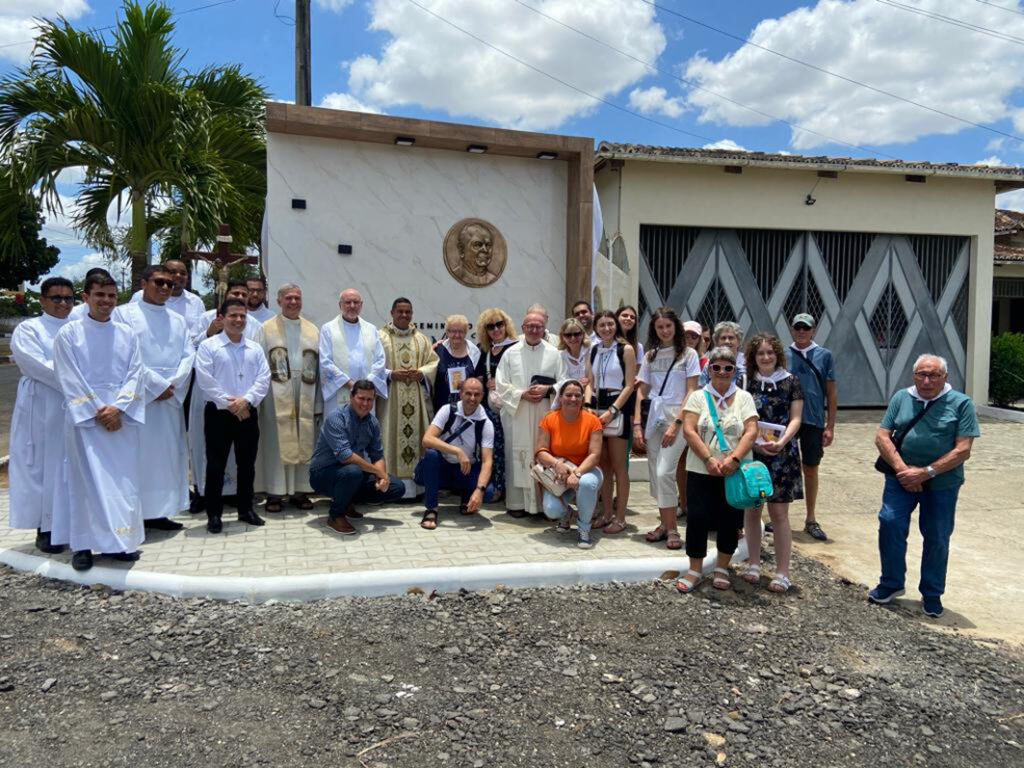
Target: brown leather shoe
<point>341,525</point>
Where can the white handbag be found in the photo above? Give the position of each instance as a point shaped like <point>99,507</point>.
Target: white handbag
<point>546,477</point>
<point>614,427</point>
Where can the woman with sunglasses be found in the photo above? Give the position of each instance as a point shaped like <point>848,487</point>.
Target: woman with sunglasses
<point>667,376</point>
<point>779,400</point>
<point>612,363</point>
<point>707,466</point>
<point>574,345</point>
<point>495,334</point>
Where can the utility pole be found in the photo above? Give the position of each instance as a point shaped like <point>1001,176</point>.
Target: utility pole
<point>303,76</point>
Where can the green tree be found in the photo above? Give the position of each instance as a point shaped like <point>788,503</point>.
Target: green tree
<point>36,257</point>
<point>183,152</point>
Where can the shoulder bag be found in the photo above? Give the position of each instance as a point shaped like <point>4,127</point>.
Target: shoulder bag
<point>546,477</point>
<point>881,464</point>
<point>751,484</point>
<point>645,404</point>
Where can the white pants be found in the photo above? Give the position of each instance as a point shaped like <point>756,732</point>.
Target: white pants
<point>661,466</point>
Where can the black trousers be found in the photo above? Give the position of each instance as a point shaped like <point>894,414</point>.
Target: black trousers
<point>223,430</point>
<point>706,507</point>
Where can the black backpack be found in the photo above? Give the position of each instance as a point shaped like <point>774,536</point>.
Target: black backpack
<point>478,425</point>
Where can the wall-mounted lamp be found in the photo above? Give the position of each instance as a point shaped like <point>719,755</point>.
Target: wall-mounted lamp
<point>405,141</point>
<point>345,250</point>
<point>477,149</point>
<point>547,155</point>
<point>298,203</point>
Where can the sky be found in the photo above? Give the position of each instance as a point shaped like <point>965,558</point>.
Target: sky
<point>936,80</point>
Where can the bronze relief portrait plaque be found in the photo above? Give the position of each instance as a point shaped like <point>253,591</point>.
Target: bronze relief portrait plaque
<point>475,252</point>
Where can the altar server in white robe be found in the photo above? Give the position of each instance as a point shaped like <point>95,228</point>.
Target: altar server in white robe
<point>288,414</point>
<point>181,301</point>
<point>167,354</point>
<point>100,371</point>
<point>256,304</point>
<point>528,377</point>
<point>211,323</point>
<point>37,424</point>
<point>350,349</point>
<point>81,310</point>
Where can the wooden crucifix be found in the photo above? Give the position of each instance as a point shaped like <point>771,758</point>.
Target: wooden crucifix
<point>221,259</point>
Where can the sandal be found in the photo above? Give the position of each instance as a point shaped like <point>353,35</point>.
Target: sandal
<point>751,574</point>
<point>613,528</point>
<point>302,502</point>
<point>658,534</point>
<point>780,584</point>
<point>674,540</point>
<point>602,522</point>
<point>273,505</point>
<point>689,581</point>
<point>721,579</point>
<point>429,520</point>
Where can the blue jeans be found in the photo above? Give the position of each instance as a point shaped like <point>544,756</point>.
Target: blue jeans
<point>935,519</point>
<point>347,484</point>
<point>585,497</point>
<point>437,473</point>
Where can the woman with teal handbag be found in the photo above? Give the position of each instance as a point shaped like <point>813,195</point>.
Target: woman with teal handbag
<point>720,426</point>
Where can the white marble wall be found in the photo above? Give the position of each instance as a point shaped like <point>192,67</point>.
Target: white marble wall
<point>394,205</point>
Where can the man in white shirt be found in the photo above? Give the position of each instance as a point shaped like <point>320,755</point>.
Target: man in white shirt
<point>167,355</point>
<point>459,446</point>
<point>233,374</point>
<point>256,304</point>
<point>350,349</point>
<point>181,301</point>
<point>584,313</point>
<point>37,424</point>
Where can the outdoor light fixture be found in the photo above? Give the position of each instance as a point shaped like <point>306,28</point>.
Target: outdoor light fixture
<point>477,149</point>
<point>547,155</point>
<point>298,203</point>
<point>404,141</point>
<point>344,250</point>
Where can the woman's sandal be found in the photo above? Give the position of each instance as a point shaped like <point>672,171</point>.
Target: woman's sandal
<point>658,534</point>
<point>689,582</point>
<point>429,520</point>
<point>273,505</point>
<point>602,522</point>
<point>751,574</point>
<point>674,540</point>
<point>780,584</point>
<point>721,580</point>
<point>613,528</point>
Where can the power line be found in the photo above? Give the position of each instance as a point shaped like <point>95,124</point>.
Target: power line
<point>697,86</point>
<point>830,73</point>
<point>539,71</point>
<point>955,22</point>
<point>1000,7</point>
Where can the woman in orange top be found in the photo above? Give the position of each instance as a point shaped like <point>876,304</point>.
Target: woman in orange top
<point>571,434</point>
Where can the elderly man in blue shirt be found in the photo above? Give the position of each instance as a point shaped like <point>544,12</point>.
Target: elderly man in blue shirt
<point>348,461</point>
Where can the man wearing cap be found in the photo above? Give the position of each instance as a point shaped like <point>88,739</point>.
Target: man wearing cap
<point>812,365</point>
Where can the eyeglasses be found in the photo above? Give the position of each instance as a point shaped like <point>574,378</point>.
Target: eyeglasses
<point>572,334</point>
<point>533,327</point>
<point>927,375</point>
<point>160,282</point>
<point>722,368</point>
<point>60,299</point>
<point>493,326</point>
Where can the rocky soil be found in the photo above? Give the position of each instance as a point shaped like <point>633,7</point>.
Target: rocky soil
<point>598,676</point>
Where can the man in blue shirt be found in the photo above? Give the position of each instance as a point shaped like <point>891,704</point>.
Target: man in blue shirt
<point>812,365</point>
<point>924,439</point>
<point>348,461</point>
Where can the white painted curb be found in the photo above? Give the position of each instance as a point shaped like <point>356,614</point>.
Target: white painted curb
<point>363,583</point>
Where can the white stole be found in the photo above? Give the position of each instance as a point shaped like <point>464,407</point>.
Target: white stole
<point>367,340</point>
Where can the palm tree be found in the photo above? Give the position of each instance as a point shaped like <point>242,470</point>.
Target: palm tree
<point>185,152</point>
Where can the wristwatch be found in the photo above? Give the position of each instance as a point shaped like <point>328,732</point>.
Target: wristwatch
<point>931,471</point>
<point>482,488</point>
<point>678,422</point>
<point>577,473</point>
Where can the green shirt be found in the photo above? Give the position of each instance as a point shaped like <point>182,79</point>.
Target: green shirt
<point>950,416</point>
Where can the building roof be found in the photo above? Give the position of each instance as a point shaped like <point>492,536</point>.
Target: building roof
<point>1009,222</point>
<point>1008,254</point>
<point>1007,177</point>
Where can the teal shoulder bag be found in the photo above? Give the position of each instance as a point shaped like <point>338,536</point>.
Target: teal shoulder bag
<point>751,484</point>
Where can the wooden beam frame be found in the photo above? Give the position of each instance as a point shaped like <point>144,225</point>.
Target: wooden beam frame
<point>577,151</point>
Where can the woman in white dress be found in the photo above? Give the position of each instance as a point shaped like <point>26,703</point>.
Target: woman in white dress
<point>574,345</point>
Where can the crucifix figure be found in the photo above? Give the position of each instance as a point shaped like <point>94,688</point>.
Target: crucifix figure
<point>221,259</point>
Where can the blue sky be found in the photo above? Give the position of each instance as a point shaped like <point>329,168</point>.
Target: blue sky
<point>397,57</point>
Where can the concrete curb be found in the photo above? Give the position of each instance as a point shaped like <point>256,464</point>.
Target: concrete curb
<point>362,583</point>
<point>1003,414</point>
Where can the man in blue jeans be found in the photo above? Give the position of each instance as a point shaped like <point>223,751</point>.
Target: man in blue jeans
<point>925,438</point>
<point>348,461</point>
<point>459,448</point>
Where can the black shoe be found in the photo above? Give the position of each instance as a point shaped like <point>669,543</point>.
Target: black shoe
<point>213,524</point>
<point>81,560</point>
<point>124,557</point>
<point>197,505</point>
<point>814,531</point>
<point>250,518</point>
<point>43,543</point>
<point>162,524</point>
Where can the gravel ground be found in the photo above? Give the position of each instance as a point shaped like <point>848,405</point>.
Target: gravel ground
<point>607,675</point>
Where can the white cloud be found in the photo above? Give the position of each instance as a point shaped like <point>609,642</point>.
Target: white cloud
<point>938,64</point>
<point>990,160</point>
<point>347,101</point>
<point>18,23</point>
<point>655,100</point>
<point>334,5</point>
<point>726,144</point>
<point>994,145</point>
<point>429,63</point>
<point>1013,201</point>
<point>76,270</point>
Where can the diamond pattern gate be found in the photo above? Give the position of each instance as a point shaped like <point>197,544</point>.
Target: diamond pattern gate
<point>881,300</point>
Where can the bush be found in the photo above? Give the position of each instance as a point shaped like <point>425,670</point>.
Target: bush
<point>1006,369</point>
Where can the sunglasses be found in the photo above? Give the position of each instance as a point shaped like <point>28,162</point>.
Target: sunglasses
<point>717,368</point>
<point>572,334</point>
<point>493,326</point>
<point>60,299</point>
<point>160,282</point>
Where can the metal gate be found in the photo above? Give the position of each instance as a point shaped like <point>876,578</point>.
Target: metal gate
<point>880,300</point>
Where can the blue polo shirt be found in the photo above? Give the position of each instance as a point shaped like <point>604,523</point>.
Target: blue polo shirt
<point>814,395</point>
<point>950,416</point>
<point>344,434</point>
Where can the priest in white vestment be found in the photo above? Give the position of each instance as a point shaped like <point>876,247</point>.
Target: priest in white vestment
<point>527,379</point>
<point>181,301</point>
<point>167,354</point>
<point>256,305</point>
<point>405,415</point>
<point>350,350</point>
<point>100,371</point>
<point>288,413</point>
<point>37,424</point>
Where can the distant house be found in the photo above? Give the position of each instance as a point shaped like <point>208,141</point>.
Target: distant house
<point>1008,277</point>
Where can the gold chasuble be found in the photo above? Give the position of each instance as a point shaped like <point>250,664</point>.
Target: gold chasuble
<point>293,388</point>
<point>405,415</point>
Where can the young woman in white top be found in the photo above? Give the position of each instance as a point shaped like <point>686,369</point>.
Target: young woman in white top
<point>667,376</point>
<point>627,317</point>
<point>612,372</point>
<point>693,334</point>
<point>575,346</point>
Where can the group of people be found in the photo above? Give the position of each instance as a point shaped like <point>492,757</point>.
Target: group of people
<point>119,406</point>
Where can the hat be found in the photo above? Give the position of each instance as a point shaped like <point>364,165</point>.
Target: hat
<point>693,327</point>
<point>803,319</point>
